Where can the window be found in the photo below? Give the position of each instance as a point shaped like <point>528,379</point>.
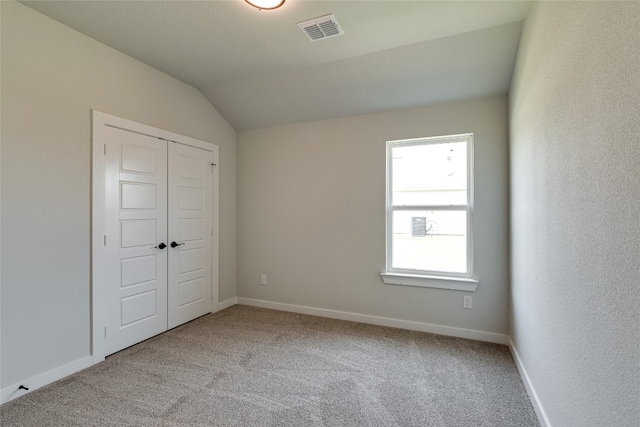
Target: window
<point>429,212</point>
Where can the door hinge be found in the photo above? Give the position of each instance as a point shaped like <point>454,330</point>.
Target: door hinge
<point>105,240</point>
<point>105,149</point>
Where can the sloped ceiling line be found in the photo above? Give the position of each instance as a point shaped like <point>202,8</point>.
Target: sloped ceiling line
<point>258,70</point>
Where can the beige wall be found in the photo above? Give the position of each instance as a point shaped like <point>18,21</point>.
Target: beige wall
<point>575,211</point>
<point>311,215</point>
<point>52,77</point>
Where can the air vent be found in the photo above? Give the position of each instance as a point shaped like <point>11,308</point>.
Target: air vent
<point>418,226</point>
<point>322,27</point>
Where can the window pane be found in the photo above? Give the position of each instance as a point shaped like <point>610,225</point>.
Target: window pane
<point>430,240</point>
<point>430,174</point>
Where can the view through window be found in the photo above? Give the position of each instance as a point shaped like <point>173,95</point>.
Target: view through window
<point>429,206</point>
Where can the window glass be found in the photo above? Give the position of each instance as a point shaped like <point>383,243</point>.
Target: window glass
<point>442,247</point>
<point>431,174</point>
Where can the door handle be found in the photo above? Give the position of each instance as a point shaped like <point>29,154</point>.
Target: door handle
<point>160,246</point>
<point>175,245</point>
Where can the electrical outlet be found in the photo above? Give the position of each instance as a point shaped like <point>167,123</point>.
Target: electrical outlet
<point>263,279</point>
<point>467,301</point>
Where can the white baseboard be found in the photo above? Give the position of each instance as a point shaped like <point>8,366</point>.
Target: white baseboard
<point>225,304</point>
<point>34,383</point>
<point>531,391</point>
<point>380,321</point>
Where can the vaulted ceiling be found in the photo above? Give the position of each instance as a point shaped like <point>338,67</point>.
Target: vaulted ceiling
<point>258,69</point>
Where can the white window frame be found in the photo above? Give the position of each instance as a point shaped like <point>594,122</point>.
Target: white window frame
<point>426,278</point>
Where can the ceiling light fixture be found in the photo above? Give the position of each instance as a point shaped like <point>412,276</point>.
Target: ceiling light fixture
<point>265,4</point>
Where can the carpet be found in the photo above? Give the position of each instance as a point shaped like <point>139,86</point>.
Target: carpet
<point>248,366</point>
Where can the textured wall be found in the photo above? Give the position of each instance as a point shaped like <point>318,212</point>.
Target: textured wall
<point>311,215</point>
<point>52,77</point>
<point>575,187</point>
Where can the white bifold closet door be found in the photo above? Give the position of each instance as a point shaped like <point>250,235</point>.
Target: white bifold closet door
<point>158,236</point>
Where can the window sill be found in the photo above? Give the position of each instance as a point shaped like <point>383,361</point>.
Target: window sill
<point>438,282</point>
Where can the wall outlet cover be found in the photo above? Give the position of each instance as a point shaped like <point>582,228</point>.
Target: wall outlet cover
<point>467,301</point>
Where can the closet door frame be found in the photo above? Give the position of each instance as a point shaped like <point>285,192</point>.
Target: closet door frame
<point>100,121</point>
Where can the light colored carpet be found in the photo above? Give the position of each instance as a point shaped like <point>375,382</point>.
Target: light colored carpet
<point>249,366</point>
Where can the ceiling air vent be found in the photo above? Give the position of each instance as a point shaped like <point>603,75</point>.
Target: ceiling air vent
<point>321,27</point>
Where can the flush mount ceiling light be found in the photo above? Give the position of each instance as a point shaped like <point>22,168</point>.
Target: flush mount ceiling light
<point>266,4</point>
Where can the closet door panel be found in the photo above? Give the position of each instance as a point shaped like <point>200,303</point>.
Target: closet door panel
<point>136,223</point>
<point>190,228</point>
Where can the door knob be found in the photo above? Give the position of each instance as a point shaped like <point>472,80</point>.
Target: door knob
<point>174,244</point>
<point>160,246</point>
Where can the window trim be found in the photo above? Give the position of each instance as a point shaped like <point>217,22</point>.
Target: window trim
<point>426,278</point>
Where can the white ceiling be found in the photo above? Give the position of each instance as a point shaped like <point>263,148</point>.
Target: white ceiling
<point>258,69</point>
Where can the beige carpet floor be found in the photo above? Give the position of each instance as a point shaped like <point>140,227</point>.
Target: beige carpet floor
<point>247,366</point>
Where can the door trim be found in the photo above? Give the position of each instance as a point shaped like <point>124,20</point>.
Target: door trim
<point>98,220</point>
